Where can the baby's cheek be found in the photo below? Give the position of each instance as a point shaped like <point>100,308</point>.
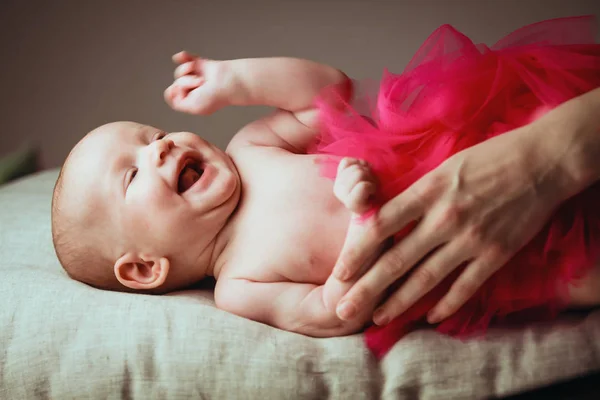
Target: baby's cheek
<point>166,217</point>
<point>163,233</point>
<point>155,202</point>
<point>148,214</point>
<point>178,225</point>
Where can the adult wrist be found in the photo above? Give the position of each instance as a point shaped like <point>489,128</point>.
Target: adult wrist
<point>569,135</point>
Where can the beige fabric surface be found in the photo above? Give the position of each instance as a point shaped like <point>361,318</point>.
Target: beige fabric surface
<point>63,340</point>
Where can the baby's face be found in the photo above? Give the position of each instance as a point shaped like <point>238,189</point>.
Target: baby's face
<point>160,193</point>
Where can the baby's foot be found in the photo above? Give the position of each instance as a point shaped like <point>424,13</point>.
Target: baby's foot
<point>585,292</point>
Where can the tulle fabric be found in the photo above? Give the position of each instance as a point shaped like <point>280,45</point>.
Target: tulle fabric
<point>455,94</point>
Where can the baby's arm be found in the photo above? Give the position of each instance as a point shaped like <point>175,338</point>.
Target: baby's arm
<point>295,307</point>
<point>289,84</point>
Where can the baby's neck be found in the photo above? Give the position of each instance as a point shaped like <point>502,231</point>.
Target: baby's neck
<point>219,246</point>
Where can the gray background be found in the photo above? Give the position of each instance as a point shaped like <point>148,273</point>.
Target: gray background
<point>69,66</point>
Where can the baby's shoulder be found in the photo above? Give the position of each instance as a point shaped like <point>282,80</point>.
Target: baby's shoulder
<point>257,139</point>
<point>256,162</point>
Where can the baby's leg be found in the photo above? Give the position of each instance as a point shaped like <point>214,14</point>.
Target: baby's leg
<point>585,292</point>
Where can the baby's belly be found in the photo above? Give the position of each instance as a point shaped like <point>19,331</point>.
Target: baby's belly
<point>290,224</point>
<point>308,252</point>
<point>311,262</point>
<point>293,247</point>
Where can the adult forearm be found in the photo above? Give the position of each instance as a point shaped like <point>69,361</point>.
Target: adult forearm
<point>568,139</point>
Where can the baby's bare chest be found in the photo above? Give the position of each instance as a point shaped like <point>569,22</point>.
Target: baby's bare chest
<point>290,226</point>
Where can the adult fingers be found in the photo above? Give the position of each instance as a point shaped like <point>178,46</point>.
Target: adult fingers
<point>465,286</point>
<point>424,278</point>
<point>364,237</point>
<point>389,267</point>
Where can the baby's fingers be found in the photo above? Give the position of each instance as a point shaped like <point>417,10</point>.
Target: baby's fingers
<point>187,68</point>
<point>358,199</point>
<point>183,56</point>
<point>354,184</point>
<point>179,90</point>
<point>185,84</point>
<point>349,161</point>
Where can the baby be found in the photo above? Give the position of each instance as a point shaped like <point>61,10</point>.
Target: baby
<point>140,210</point>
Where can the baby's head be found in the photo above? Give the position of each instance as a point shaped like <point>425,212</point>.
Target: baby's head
<point>135,209</point>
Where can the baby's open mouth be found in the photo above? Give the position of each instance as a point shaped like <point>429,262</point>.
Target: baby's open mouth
<point>190,173</point>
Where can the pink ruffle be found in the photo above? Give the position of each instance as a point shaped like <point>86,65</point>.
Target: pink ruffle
<point>455,94</point>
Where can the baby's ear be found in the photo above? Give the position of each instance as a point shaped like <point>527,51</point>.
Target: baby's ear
<point>141,272</point>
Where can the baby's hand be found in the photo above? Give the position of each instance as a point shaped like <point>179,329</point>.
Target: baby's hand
<point>354,184</point>
<point>200,86</point>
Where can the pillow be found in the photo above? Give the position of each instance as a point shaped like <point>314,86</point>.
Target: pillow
<point>62,339</point>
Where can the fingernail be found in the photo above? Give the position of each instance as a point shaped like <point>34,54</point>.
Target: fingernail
<point>433,317</point>
<point>342,273</point>
<point>346,310</point>
<point>379,318</point>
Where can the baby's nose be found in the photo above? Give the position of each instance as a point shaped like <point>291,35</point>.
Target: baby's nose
<point>162,147</point>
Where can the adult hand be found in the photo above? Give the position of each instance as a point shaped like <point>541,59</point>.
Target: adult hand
<point>480,206</point>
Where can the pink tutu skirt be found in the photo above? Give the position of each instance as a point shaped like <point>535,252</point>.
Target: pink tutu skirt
<point>455,94</point>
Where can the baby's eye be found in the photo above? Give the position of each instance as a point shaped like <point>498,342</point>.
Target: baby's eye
<point>130,176</point>
<point>159,136</point>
